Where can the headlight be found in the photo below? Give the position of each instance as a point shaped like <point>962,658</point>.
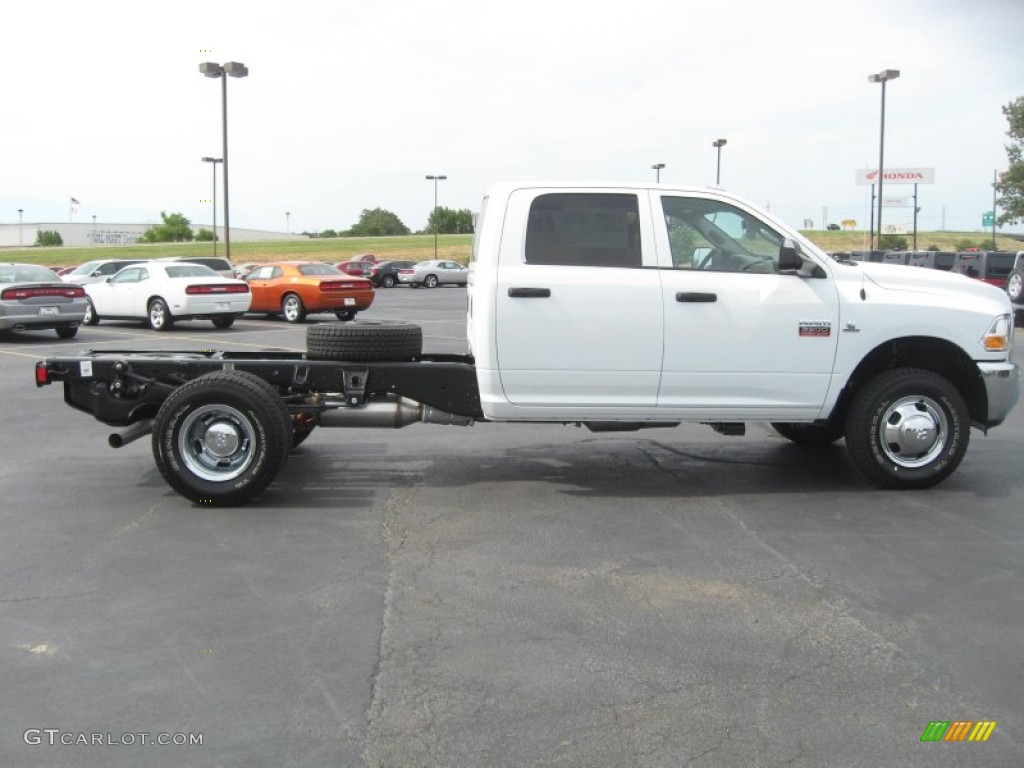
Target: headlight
<point>999,336</point>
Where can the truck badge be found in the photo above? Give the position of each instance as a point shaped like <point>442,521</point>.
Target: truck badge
<point>815,328</point>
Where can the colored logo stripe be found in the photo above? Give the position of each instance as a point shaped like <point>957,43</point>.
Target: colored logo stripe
<point>982,730</point>
<point>958,730</point>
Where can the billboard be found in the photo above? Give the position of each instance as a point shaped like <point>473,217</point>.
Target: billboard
<point>866,176</point>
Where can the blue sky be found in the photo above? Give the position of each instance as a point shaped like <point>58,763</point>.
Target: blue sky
<point>349,105</point>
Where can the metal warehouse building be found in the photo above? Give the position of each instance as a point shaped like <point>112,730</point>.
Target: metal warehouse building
<point>84,234</point>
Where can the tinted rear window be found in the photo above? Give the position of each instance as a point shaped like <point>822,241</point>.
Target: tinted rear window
<point>319,269</point>
<point>586,230</point>
<point>26,273</point>
<point>191,270</point>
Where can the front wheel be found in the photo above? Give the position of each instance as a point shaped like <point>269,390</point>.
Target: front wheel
<point>91,318</point>
<point>907,428</point>
<point>221,439</point>
<point>345,314</point>
<point>159,316</point>
<point>67,331</point>
<point>223,322</point>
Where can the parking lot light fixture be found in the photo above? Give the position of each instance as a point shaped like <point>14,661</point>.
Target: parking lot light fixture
<point>718,144</point>
<point>657,172</point>
<point>223,71</point>
<point>213,161</point>
<point>882,77</point>
<point>435,179</point>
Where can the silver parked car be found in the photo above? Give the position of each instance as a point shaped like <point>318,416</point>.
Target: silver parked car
<point>97,271</point>
<point>433,273</point>
<point>33,298</point>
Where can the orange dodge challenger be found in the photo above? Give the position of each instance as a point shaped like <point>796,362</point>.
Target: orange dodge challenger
<point>296,288</point>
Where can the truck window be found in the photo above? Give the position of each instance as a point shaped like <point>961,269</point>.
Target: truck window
<point>584,230</point>
<point>713,235</point>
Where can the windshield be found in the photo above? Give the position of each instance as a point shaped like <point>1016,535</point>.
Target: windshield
<point>86,269</point>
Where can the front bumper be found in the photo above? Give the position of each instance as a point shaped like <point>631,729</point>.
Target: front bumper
<point>1002,386</point>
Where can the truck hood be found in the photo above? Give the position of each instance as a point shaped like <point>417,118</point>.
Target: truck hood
<point>920,280</point>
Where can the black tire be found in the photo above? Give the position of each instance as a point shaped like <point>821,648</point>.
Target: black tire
<point>223,322</point>
<point>388,281</point>
<point>414,285</point>
<point>907,428</point>
<point>366,340</point>
<point>292,308</point>
<point>810,435</point>
<point>345,314</point>
<point>250,428</point>
<point>430,281</point>
<point>158,316</point>
<point>1015,286</point>
<point>67,331</point>
<point>91,318</point>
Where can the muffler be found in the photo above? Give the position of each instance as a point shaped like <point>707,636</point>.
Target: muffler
<point>389,411</point>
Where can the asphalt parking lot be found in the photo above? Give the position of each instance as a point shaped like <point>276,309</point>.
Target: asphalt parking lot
<point>499,595</point>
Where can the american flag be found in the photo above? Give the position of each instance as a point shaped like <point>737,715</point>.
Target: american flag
<point>74,201</point>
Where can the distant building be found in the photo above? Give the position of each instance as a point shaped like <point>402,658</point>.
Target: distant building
<point>84,234</point>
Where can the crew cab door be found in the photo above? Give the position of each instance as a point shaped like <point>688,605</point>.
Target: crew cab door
<point>742,340</point>
<point>578,317</point>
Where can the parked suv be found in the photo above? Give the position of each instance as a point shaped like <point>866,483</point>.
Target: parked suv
<point>941,260</point>
<point>991,267</point>
<point>1015,288</point>
<point>220,266</point>
<point>97,271</point>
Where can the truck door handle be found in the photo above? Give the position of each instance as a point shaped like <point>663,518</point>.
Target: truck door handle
<point>529,293</point>
<point>701,298</point>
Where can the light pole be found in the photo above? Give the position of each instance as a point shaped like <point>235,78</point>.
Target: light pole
<point>287,222</point>
<point>882,77</point>
<point>718,144</point>
<point>435,179</point>
<point>94,229</point>
<point>234,69</point>
<point>20,211</point>
<point>213,166</point>
<point>657,172</point>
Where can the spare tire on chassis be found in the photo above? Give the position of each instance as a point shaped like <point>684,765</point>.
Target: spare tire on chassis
<point>364,341</point>
<point>221,438</point>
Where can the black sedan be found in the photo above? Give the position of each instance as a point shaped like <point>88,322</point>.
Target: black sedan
<point>385,274</point>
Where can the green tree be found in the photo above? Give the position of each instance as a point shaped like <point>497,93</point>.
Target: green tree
<point>328,233</point>
<point>175,228</point>
<point>1010,187</point>
<point>204,235</point>
<point>48,237</point>
<point>377,223</point>
<point>448,221</point>
<point>892,243</point>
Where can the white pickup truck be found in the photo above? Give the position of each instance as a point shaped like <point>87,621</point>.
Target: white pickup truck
<point>616,306</point>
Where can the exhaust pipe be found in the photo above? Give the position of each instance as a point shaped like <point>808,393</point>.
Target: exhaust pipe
<point>130,435</point>
<point>390,411</point>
